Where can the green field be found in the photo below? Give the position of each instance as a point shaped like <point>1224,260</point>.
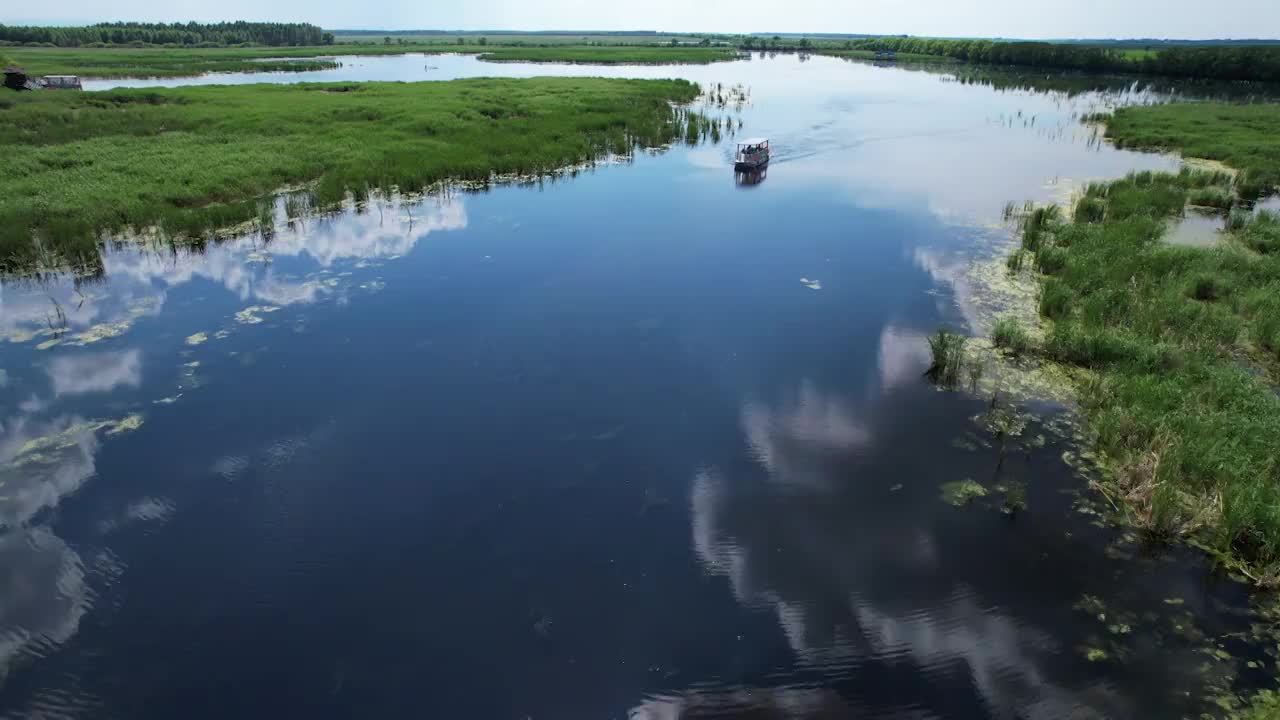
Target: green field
<point>191,161</point>
<point>1246,137</point>
<point>1181,344</point>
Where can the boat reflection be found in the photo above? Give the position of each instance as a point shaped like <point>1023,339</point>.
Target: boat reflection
<point>750,178</point>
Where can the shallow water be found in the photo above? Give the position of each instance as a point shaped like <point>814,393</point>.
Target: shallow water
<point>643,442</point>
<point>1196,229</point>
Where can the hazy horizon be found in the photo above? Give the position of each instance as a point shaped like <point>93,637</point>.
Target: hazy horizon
<point>1093,19</point>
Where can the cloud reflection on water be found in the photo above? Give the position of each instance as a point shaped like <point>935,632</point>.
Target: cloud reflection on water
<point>42,581</point>
<point>796,536</point>
<point>95,372</point>
<point>138,279</point>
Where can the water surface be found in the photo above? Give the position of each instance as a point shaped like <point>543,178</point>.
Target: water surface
<point>646,442</point>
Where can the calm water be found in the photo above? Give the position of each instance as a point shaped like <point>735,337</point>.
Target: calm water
<point>588,448</point>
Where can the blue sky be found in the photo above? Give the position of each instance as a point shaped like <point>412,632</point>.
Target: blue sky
<point>1003,18</point>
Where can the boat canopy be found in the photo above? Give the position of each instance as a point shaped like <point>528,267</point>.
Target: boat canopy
<point>753,141</point>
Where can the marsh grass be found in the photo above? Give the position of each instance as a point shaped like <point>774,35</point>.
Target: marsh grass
<point>193,161</point>
<point>947,358</point>
<point>1190,435</point>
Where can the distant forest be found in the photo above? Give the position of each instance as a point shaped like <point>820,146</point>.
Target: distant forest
<point>187,34</point>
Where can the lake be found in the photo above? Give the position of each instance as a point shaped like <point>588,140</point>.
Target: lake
<point>644,441</point>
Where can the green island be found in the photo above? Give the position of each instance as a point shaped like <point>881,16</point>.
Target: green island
<point>609,55</point>
<point>179,62</point>
<point>195,160</point>
<point>1177,347</point>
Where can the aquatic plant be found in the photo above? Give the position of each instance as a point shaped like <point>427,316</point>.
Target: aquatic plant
<point>962,492</point>
<point>948,357</point>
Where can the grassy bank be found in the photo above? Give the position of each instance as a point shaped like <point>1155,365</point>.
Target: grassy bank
<point>193,160</point>
<point>611,55</point>
<point>1246,137</point>
<point>1179,343</point>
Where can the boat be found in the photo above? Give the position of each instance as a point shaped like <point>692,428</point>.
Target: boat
<point>60,82</point>
<point>752,154</point>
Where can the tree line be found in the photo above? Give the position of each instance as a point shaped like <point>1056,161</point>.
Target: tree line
<point>189,34</point>
<point>1216,62</point>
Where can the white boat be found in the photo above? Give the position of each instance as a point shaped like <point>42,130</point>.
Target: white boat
<point>751,154</point>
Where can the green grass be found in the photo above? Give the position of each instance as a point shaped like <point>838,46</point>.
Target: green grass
<point>1246,137</point>
<point>611,55</point>
<point>194,160</point>
<point>1182,343</point>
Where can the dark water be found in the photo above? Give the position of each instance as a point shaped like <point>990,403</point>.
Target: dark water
<point>588,448</point>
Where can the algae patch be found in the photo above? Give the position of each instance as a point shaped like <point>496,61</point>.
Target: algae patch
<point>250,315</point>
